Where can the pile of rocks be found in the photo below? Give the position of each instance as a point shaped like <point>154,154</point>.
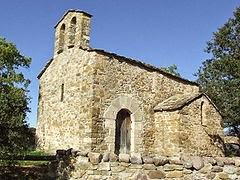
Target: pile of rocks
<point>90,165</point>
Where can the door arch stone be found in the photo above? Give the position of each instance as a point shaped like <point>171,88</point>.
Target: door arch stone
<point>134,107</point>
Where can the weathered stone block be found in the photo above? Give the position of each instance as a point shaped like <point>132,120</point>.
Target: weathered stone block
<point>114,164</point>
<point>135,166</point>
<point>197,162</point>
<point>206,168</point>
<point>187,162</point>
<point>118,169</point>
<point>175,160</point>
<point>124,158</point>
<point>228,161</point>
<point>140,176</point>
<point>174,174</point>
<point>104,166</point>
<point>217,169</point>
<point>187,171</point>
<point>113,157</point>
<point>147,160</point>
<point>106,156</point>
<point>220,161</point>
<point>223,175</point>
<point>230,169</point>
<point>149,167</point>
<point>160,161</point>
<point>172,167</point>
<point>95,158</point>
<point>237,161</point>
<point>136,158</point>
<point>210,160</point>
<point>211,175</point>
<point>124,164</point>
<point>156,174</point>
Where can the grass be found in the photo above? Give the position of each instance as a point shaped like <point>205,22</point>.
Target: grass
<point>37,153</point>
<point>25,163</point>
<point>32,163</point>
<point>26,169</point>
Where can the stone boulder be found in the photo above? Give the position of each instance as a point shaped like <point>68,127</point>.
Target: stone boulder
<point>124,158</point>
<point>187,162</point>
<point>113,157</point>
<point>106,156</point>
<point>175,160</point>
<point>197,162</point>
<point>136,158</point>
<point>157,174</point>
<point>95,158</point>
<point>147,160</point>
<point>209,160</point>
<point>160,161</point>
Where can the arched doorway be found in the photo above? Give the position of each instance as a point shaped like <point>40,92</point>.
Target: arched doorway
<point>123,132</point>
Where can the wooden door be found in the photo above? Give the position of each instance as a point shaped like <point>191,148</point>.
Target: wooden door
<point>123,132</point>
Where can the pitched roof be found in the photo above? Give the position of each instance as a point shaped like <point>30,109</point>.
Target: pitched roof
<point>143,65</point>
<point>177,101</point>
<point>135,62</point>
<point>72,10</point>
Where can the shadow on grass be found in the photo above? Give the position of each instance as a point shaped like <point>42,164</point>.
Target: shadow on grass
<point>40,172</point>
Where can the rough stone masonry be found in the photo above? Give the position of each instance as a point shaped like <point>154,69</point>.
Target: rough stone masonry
<point>107,166</point>
<point>97,101</point>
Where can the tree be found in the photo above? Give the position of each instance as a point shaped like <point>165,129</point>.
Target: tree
<point>219,76</point>
<point>171,69</point>
<point>14,132</point>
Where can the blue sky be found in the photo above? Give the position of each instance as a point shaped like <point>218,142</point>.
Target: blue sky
<point>159,32</point>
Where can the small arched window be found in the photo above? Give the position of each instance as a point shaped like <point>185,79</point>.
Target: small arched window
<point>123,132</point>
<point>62,37</point>
<point>72,32</point>
<point>203,114</point>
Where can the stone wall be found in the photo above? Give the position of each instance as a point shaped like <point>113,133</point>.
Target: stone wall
<point>108,166</point>
<point>194,129</point>
<point>96,88</point>
<point>67,123</point>
<point>114,79</point>
<point>201,132</point>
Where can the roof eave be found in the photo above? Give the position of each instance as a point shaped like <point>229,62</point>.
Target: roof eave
<point>145,65</point>
<point>45,68</point>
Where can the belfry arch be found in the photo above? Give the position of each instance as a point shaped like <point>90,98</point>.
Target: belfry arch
<point>62,37</point>
<point>72,31</point>
<point>124,114</point>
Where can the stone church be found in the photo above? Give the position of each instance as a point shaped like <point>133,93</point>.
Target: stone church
<point>93,100</point>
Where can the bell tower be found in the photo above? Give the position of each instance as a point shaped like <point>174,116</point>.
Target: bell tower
<point>72,30</point>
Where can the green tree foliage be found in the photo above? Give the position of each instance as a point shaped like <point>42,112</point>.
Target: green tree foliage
<point>171,69</point>
<point>219,76</point>
<point>14,132</point>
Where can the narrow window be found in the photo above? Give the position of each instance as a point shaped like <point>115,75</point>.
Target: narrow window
<point>61,38</point>
<point>72,32</point>
<point>62,92</point>
<point>123,132</point>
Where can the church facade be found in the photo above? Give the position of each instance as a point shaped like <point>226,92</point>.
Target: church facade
<point>93,100</point>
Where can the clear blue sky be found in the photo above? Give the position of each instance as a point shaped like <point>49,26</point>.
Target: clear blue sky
<point>159,32</point>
